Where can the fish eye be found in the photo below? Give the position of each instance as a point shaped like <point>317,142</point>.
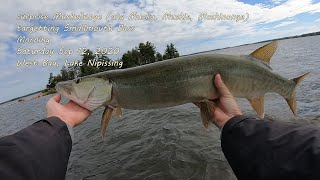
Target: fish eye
<point>77,81</point>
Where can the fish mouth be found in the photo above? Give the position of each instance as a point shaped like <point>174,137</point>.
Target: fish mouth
<point>64,88</point>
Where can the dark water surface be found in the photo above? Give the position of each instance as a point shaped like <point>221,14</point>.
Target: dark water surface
<point>172,143</point>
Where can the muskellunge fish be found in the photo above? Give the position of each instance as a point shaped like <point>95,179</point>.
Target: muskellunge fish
<point>187,79</point>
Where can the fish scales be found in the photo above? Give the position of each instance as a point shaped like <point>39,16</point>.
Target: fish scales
<point>190,79</point>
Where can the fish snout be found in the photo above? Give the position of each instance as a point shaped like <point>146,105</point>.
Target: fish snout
<point>64,88</point>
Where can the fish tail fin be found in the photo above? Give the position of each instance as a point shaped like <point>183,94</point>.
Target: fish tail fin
<point>292,102</point>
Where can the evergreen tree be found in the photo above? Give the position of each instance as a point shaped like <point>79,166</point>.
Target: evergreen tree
<point>170,52</point>
<point>64,73</point>
<point>68,73</point>
<point>50,81</point>
<point>147,51</point>
<point>73,72</point>
<point>159,57</point>
<point>104,58</point>
<point>57,79</point>
<point>85,69</point>
<point>132,58</point>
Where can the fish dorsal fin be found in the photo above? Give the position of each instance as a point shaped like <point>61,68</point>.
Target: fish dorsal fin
<point>258,105</point>
<point>265,52</point>
<point>106,117</point>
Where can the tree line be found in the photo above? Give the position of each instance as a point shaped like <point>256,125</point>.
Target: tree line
<point>144,53</point>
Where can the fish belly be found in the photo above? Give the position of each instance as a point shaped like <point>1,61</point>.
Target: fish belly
<point>166,94</point>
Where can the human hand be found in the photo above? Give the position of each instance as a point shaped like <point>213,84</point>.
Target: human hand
<point>70,113</point>
<point>226,105</point>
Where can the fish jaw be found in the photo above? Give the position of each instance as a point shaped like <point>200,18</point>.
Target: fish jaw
<point>88,92</point>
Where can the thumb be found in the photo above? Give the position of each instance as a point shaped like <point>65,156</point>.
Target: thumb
<point>221,87</point>
<point>56,98</point>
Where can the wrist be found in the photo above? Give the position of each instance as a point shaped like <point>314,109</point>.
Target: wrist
<point>223,121</point>
<point>63,119</point>
<point>70,124</point>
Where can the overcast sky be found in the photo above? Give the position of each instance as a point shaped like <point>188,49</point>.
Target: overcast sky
<point>268,19</point>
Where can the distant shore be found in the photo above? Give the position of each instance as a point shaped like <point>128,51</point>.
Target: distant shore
<point>20,97</point>
<point>36,94</point>
<point>289,37</point>
<point>42,93</point>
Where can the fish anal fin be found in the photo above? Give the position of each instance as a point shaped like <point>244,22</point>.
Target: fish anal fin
<point>117,112</point>
<point>265,52</point>
<point>106,117</point>
<point>258,105</point>
<point>292,102</point>
<point>206,112</point>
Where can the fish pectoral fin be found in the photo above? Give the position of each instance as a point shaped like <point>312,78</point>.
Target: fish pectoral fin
<point>106,117</point>
<point>206,112</point>
<point>258,105</point>
<point>117,112</point>
<point>265,52</point>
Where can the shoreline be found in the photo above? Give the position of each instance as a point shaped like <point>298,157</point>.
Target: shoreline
<point>277,39</point>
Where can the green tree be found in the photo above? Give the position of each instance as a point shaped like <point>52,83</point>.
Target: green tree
<point>57,79</point>
<point>147,51</point>
<point>85,69</point>
<point>64,73</point>
<point>170,52</point>
<point>68,73</point>
<point>50,81</point>
<point>132,58</point>
<point>104,58</point>
<point>53,80</point>
<point>73,72</point>
<point>159,57</point>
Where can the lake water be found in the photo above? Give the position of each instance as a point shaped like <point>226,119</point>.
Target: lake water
<point>172,143</point>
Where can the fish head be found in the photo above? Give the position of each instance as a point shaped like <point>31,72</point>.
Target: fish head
<point>88,92</point>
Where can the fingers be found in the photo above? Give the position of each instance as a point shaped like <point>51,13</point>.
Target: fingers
<point>72,104</point>
<point>219,118</point>
<point>56,98</point>
<point>221,87</point>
